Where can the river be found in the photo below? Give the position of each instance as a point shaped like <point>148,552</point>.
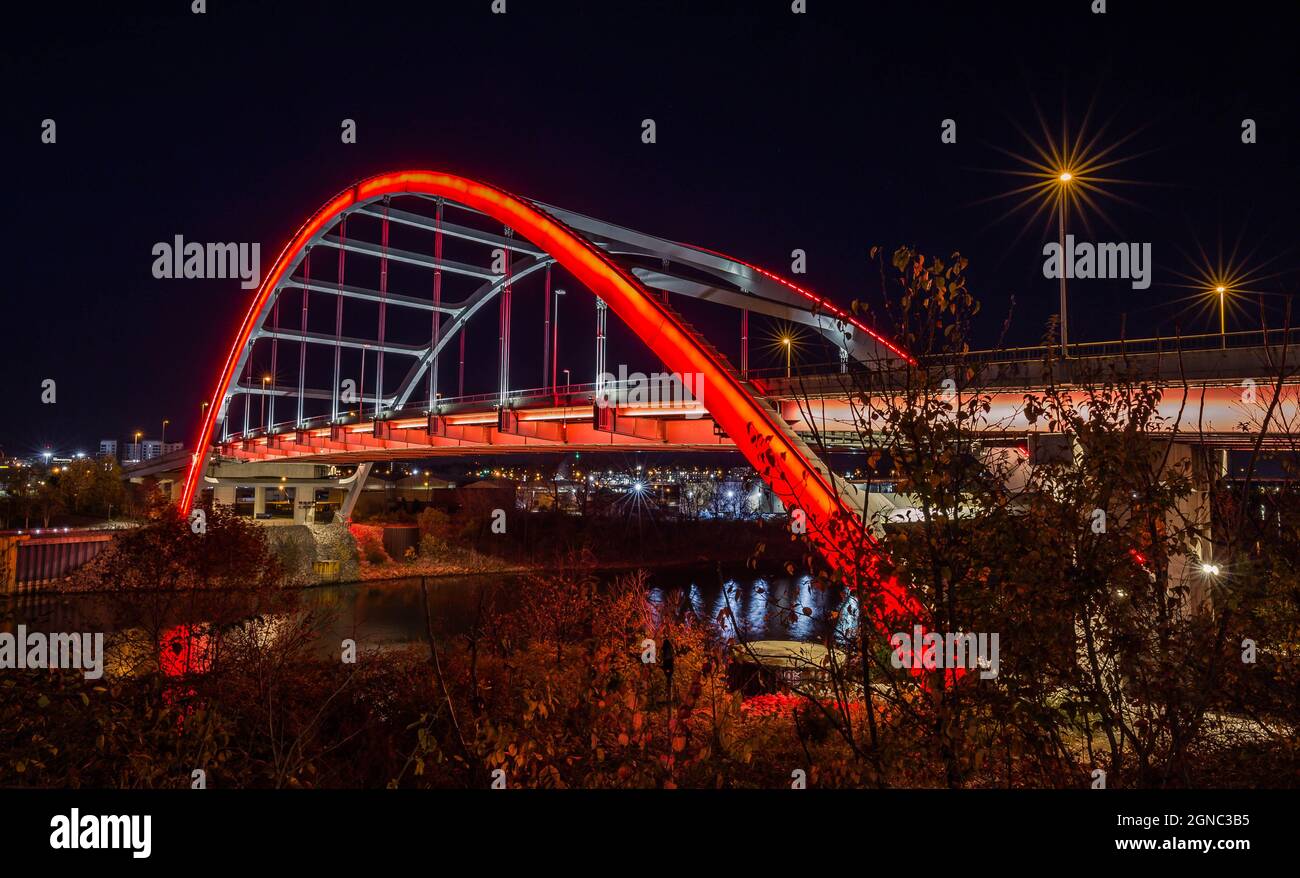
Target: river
<point>389,613</point>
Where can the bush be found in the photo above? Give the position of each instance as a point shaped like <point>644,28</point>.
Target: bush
<point>370,544</point>
<point>433,522</point>
<point>431,545</point>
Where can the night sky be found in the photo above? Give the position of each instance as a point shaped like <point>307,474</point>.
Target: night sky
<point>775,131</point>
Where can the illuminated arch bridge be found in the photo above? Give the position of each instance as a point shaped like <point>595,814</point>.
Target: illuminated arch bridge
<point>354,347</point>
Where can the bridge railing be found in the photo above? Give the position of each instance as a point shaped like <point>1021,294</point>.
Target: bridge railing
<point>1080,350</point>
<point>1159,345</point>
<point>563,394</point>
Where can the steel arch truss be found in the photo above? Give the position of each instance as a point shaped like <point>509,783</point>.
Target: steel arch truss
<point>630,272</point>
<point>659,264</point>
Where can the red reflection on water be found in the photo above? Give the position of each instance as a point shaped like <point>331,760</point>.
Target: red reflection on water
<point>185,649</point>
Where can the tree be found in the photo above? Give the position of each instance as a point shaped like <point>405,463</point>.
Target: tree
<point>1077,561</point>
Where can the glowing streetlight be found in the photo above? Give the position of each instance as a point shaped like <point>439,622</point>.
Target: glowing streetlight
<point>1063,181</point>
<point>1064,171</point>
<point>1223,332</point>
<point>788,342</point>
<point>164,431</point>
<point>1210,569</point>
<point>266,379</point>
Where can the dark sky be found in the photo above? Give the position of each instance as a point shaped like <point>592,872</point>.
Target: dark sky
<point>775,131</point>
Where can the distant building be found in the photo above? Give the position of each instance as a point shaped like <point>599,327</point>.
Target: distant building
<point>136,452</point>
<point>108,448</point>
<point>171,447</point>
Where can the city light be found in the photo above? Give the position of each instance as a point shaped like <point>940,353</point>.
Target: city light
<point>1230,280</point>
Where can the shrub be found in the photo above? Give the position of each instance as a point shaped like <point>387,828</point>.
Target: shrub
<point>434,522</point>
<point>370,544</point>
<point>431,545</point>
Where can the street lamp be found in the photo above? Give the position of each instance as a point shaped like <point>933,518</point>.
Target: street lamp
<point>789,345</point>
<point>266,379</point>
<point>566,380</point>
<point>164,431</point>
<point>1223,334</point>
<point>1063,180</point>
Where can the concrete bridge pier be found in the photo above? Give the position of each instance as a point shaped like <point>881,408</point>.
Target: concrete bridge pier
<point>354,491</point>
<point>1194,512</point>
<point>303,504</point>
<point>1191,515</point>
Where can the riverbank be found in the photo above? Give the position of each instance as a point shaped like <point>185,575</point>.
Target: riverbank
<point>467,562</point>
<point>557,545</point>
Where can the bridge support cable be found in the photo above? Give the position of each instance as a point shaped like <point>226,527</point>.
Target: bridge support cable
<point>302,345</point>
<point>338,325</point>
<point>437,304</point>
<point>275,354</point>
<point>555,347</point>
<point>248,397</point>
<point>503,361</point>
<point>547,382</point>
<point>383,310</point>
<point>361,391</point>
<point>601,320</point>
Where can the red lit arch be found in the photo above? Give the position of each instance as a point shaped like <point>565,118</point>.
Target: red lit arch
<point>788,466</point>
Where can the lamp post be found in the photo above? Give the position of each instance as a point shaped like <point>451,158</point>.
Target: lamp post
<point>163,440</point>
<point>266,379</point>
<point>1064,179</point>
<point>789,344</point>
<point>1223,333</point>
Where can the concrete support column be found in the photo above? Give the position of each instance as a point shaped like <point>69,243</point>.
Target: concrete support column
<point>259,501</point>
<point>354,491</point>
<point>224,495</point>
<point>1194,512</point>
<point>301,505</point>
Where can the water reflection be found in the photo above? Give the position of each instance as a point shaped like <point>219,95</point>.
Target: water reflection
<point>390,614</point>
